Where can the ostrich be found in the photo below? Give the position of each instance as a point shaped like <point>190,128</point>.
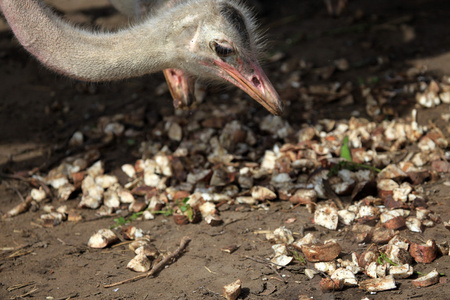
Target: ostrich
<point>201,39</point>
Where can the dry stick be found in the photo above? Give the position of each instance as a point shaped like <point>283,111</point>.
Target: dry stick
<point>158,267</point>
<point>269,264</point>
<point>330,193</point>
<point>20,253</point>
<point>33,290</point>
<point>31,181</point>
<point>74,295</point>
<point>19,286</point>
<point>16,190</point>
<point>5,255</point>
<point>291,209</point>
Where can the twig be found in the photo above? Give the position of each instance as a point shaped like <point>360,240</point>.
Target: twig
<point>324,274</point>
<point>74,295</point>
<point>19,286</point>
<point>10,249</point>
<point>8,185</point>
<point>32,181</point>
<point>330,193</point>
<point>275,278</point>
<point>15,177</point>
<point>158,267</point>
<point>233,221</point>
<point>20,253</point>
<point>61,241</point>
<point>184,242</point>
<point>33,290</point>
<point>269,264</point>
<point>262,232</point>
<point>278,273</point>
<point>121,244</point>
<point>96,218</point>
<point>292,208</point>
<point>302,231</point>
<point>209,270</point>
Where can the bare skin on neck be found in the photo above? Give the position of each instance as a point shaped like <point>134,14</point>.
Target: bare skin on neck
<point>206,39</point>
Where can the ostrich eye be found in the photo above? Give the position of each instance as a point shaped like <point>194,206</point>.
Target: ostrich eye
<point>223,49</point>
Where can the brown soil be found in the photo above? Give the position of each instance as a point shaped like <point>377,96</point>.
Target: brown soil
<point>39,112</point>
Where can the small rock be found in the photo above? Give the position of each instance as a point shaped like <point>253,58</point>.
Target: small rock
<point>102,239</point>
<point>321,252</point>
<point>424,253</point>
<point>378,284</point>
<point>232,290</point>
<point>140,263</point>
<point>427,280</point>
<point>326,215</point>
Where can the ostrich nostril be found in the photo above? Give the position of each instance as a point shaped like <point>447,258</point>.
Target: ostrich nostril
<point>256,82</point>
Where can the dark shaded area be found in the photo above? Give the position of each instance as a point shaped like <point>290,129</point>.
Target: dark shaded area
<point>395,32</point>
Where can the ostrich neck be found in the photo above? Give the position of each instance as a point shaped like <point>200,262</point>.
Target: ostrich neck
<point>86,55</point>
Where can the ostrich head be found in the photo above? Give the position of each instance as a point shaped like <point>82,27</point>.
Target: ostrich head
<point>218,41</point>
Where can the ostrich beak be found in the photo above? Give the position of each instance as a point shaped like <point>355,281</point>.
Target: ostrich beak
<point>249,77</point>
<point>181,87</point>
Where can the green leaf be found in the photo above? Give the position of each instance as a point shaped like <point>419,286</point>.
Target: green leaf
<point>298,257</point>
<point>120,221</point>
<point>379,261</point>
<point>349,165</point>
<point>183,206</point>
<point>190,214</point>
<point>167,212</point>
<point>135,216</point>
<point>384,258</point>
<point>345,150</point>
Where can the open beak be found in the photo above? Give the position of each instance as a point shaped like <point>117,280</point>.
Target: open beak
<point>249,77</point>
<point>181,87</point>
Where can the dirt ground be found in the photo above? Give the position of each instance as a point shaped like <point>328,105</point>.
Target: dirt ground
<point>40,110</point>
